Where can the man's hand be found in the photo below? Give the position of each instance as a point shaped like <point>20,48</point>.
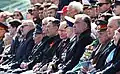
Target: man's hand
<point>24,65</point>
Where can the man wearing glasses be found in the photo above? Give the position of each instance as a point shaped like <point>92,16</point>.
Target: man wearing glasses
<point>104,6</point>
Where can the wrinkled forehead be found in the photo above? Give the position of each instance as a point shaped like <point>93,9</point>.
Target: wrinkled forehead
<point>80,19</point>
<point>49,24</point>
<point>102,1</point>
<point>113,23</point>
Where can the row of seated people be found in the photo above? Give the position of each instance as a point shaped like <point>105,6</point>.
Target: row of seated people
<point>59,51</point>
<point>28,51</point>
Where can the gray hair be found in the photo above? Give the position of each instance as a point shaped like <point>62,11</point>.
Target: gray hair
<point>77,6</point>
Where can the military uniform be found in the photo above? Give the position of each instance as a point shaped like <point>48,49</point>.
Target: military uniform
<point>42,51</point>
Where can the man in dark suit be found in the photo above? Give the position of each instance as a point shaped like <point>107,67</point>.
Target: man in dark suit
<point>81,28</point>
<point>103,42</point>
<point>47,48</point>
<point>60,48</point>
<point>112,61</point>
<point>38,39</point>
<point>110,31</point>
<point>26,45</point>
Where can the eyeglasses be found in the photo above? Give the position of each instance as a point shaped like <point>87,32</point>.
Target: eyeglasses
<point>101,4</point>
<point>16,15</point>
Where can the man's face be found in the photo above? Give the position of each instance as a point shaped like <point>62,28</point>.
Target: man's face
<point>51,13</point>
<point>102,6</point>
<point>87,11</point>
<point>69,31</point>
<point>25,30</point>
<point>2,32</point>
<point>11,29</point>
<point>71,12</point>
<point>78,26</point>
<point>93,12</point>
<point>117,10</point>
<point>116,37</point>
<point>51,30</point>
<point>111,27</point>
<point>62,32</point>
<point>41,14</point>
<point>102,36</point>
<point>35,12</point>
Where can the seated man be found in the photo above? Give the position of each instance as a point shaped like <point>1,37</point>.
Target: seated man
<point>81,29</point>
<point>113,59</point>
<point>103,43</point>
<point>60,49</point>
<point>48,47</point>
<point>26,45</point>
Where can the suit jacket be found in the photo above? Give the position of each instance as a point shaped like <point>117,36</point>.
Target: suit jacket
<point>102,58</point>
<point>25,46</point>
<point>44,50</point>
<point>14,46</point>
<point>77,50</point>
<point>35,51</point>
<point>57,59</point>
<point>1,46</point>
<point>115,63</point>
<point>99,49</point>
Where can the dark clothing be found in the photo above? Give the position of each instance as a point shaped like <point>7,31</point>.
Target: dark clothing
<point>75,52</point>
<point>25,46</point>
<point>99,49</point>
<point>1,46</point>
<point>44,51</point>
<point>115,61</point>
<point>14,46</point>
<point>35,51</point>
<point>113,69</point>
<point>38,21</point>
<point>102,58</point>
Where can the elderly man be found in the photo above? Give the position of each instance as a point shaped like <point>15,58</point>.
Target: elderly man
<point>59,54</point>
<point>104,6</point>
<point>74,8</point>
<point>26,44</point>
<point>46,50</point>
<point>103,42</point>
<point>113,24</point>
<point>114,67</point>
<point>81,29</point>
